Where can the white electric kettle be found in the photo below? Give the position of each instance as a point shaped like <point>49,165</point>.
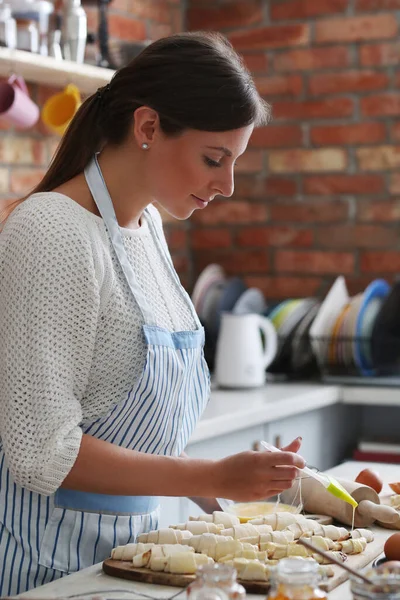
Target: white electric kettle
<point>241,359</point>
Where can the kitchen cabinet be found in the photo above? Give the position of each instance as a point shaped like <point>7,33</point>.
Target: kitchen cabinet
<point>328,434</point>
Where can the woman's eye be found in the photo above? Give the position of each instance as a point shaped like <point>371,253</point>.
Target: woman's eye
<point>210,162</point>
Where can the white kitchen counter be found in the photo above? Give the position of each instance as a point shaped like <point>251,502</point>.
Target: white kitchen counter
<point>233,410</point>
<point>94,581</point>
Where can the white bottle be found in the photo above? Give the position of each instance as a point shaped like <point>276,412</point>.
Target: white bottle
<point>74,31</point>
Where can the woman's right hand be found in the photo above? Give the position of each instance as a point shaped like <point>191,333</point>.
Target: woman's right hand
<point>251,476</point>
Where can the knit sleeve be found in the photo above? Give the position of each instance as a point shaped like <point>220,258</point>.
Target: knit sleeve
<point>49,299</point>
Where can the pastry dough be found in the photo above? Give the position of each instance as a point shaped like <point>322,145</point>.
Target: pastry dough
<point>278,551</point>
<point>278,521</point>
<point>247,531</point>
<point>352,546</point>
<point>325,560</point>
<point>128,551</point>
<point>395,501</point>
<point>171,558</point>
<point>219,518</point>
<point>364,533</point>
<point>220,546</point>
<point>250,570</point>
<point>278,537</point>
<point>164,536</point>
<point>308,527</point>
<point>199,527</point>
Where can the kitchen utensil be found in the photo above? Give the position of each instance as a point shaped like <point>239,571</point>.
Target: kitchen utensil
<point>15,103</point>
<point>60,108</point>
<point>306,543</point>
<point>330,483</point>
<point>210,274</point>
<point>241,359</point>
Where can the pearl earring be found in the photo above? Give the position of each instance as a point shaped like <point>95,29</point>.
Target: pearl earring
<point>145,146</point>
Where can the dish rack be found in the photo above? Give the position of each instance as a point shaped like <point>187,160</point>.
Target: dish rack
<point>344,359</point>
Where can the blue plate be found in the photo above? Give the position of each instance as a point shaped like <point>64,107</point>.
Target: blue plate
<point>378,289</point>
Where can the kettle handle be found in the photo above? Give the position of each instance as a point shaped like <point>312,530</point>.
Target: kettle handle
<point>271,340</point>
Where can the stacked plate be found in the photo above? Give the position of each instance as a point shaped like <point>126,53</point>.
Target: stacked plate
<point>342,330</point>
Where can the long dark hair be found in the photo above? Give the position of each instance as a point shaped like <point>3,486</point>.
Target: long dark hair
<point>194,80</point>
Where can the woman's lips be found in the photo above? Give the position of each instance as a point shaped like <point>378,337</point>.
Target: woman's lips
<point>200,203</point>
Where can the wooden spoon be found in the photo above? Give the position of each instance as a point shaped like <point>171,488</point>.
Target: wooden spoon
<point>307,544</point>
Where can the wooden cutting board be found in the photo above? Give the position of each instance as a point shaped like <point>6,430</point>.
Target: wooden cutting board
<point>124,570</point>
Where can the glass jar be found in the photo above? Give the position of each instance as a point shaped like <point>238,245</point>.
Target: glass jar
<point>385,586</point>
<point>296,579</point>
<point>216,582</point>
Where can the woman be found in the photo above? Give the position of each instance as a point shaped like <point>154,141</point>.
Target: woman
<point>102,368</point>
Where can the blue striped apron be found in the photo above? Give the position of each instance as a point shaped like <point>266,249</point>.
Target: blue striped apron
<point>43,538</point>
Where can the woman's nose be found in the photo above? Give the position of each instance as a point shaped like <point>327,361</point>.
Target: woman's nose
<point>226,185</point>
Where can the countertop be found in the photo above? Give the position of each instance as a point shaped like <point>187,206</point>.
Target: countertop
<point>93,581</point>
<point>233,410</point>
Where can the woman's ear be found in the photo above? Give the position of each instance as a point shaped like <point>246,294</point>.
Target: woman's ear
<point>146,126</point>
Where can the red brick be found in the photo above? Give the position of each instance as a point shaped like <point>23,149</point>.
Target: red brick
<point>156,10</point>
<point>22,150</point>
<point>235,14</point>
<point>300,9</point>
<point>379,211</point>
<point>177,238</point>
<point>394,183</point>
<point>211,238</point>
<point>380,262</point>
<point>307,161</point>
<point>386,105</point>
<point>343,184</point>
<point>250,162</point>
<point>377,5</point>
<point>310,211</point>
<point>271,37</point>
<point>292,261</point>
<point>285,287</point>
<point>277,136</point>
<point>356,236</point>
<point>235,261</point>
<point>312,59</point>
<point>126,29</point>
<point>24,180</point>
<point>280,85</point>
<point>231,212</point>
<point>380,55</point>
<point>395,130</point>
<point>349,81</point>
<point>359,133</point>
<point>181,264</point>
<point>256,62</point>
<point>177,18</point>
<point>159,30</point>
<point>378,158</point>
<point>356,29</point>
<point>269,187</point>
<point>275,236</point>
<point>330,108</point>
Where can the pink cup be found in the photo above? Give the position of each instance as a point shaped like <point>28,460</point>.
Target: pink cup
<point>15,103</point>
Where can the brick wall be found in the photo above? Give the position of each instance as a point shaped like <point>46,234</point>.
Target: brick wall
<point>318,191</point>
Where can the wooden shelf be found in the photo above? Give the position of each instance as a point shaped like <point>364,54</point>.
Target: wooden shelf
<point>49,71</point>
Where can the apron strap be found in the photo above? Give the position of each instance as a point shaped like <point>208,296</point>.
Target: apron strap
<point>98,189</point>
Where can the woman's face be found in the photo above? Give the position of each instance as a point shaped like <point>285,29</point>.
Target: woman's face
<point>188,171</point>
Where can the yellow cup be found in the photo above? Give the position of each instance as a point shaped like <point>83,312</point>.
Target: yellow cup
<point>59,109</point>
